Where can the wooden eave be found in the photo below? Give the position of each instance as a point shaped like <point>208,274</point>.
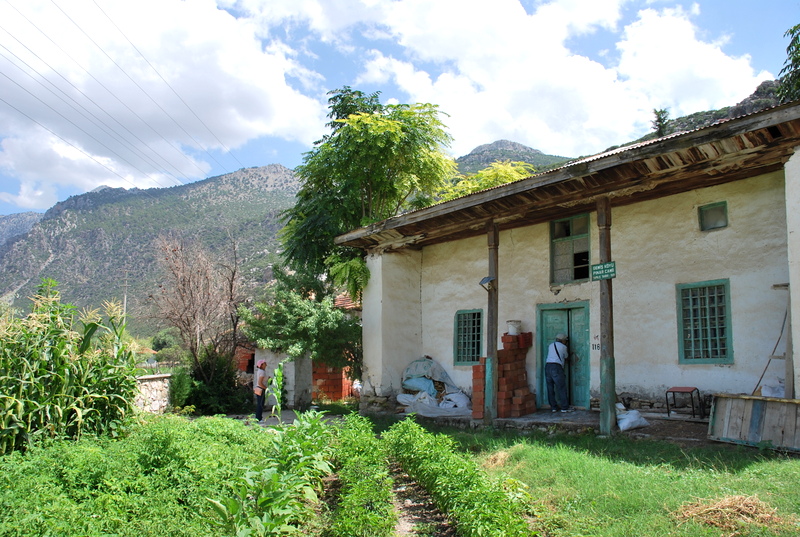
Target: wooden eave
<point>728,151</point>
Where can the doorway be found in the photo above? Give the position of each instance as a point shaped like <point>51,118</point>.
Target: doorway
<point>573,320</point>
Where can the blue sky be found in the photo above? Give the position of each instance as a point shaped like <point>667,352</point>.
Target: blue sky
<point>157,93</point>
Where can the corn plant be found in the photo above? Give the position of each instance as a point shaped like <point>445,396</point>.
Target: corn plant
<point>479,505</point>
<point>59,382</point>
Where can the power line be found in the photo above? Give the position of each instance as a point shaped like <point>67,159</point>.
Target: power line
<point>169,85</point>
<point>138,86</point>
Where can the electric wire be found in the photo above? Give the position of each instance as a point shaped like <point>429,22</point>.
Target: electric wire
<point>112,94</point>
<point>221,143</point>
<point>101,125</point>
<point>166,113</point>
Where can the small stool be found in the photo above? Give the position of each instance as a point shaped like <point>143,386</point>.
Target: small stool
<point>691,390</point>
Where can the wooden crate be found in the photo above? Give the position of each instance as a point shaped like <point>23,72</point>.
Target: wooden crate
<point>756,421</point>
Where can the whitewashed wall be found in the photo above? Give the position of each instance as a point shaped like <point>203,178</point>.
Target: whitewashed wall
<point>297,377</point>
<point>411,300</point>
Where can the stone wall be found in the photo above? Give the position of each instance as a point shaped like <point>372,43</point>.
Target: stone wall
<point>153,393</point>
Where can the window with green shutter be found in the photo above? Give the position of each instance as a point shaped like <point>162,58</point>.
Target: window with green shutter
<point>569,249</point>
<point>704,322</point>
<point>468,338</point>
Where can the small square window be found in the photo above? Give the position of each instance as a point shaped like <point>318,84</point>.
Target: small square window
<point>468,337</point>
<point>713,216</point>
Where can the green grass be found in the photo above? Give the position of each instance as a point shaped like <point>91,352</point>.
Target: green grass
<point>618,487</point>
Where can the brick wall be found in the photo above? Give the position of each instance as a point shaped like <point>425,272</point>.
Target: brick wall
<point>514,398</point>
<point>330,383</point>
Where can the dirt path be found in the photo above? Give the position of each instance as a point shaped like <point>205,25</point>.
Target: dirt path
<point>417,514</point>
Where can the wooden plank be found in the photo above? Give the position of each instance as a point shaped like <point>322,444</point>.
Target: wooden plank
<point>735,428</point>
<point>795,440</point>
<point>723,416</point>
<point>746,415</point>
<point>756,422</point>
<point>775,424</point>
<point>790,426</point>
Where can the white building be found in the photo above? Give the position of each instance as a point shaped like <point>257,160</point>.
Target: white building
<point>704,236</point>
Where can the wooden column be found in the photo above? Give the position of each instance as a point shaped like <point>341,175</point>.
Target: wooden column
<point>490,388</point>
<point>608,382</point>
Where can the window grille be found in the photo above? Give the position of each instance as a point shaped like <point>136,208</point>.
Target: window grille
<point>704,322</point>
<point>468,344</point>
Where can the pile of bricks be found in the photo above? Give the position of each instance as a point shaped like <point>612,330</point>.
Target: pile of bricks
<point>514,398</point>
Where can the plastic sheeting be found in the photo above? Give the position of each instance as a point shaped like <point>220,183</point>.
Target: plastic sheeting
<point>419,377</point>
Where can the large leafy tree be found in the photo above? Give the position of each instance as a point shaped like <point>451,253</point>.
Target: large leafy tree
<point>496,174</point>
<point>302,321</point>
<point>789,89</point>
<point>374,163</point>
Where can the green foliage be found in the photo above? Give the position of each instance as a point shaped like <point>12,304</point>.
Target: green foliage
<point>58,382</point>
<point>302,321</point>
<point>376,159</point>
<point>365,499</point>
<point>152,482</point>
<point>660,120</point>
<point>275,496</point>
<point>789,89</point>
<point>222,394</point>
<point>496,174</point>
<point>165,339</point>
<point>180,385</point>
<point>479,505</point>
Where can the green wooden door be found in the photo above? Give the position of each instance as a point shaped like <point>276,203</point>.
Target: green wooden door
<point>572,320</point>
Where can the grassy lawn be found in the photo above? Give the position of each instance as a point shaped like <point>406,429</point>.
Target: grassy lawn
<point>583,485</point>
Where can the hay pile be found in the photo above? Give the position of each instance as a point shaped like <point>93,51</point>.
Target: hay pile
<point>732,513</point>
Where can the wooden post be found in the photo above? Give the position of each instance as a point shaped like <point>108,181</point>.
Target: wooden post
<point>789,386</point>
<point>608,382</point>
<point>490,387</point>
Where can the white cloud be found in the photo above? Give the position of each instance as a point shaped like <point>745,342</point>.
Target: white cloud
<point>223,88</point>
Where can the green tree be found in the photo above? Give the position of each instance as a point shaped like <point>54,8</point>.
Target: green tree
<point>660,119</point>
<point>496,174</point>
<point>789,89</point>
<point>301,320</point>
<point>372,165</point>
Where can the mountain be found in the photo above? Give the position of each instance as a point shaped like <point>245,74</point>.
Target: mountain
<point>483,155</point>
<point>765,96</point>
<point>15,225</point>
<point>100,245</point>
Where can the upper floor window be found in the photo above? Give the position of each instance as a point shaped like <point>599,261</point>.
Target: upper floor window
<point>468,337</point>
<point>713,216</point>
<point>569,249</point>
<point>704,322</point>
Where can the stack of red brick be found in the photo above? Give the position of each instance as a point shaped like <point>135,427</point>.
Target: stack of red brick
<point>330,383</point>
<point>514,398</point>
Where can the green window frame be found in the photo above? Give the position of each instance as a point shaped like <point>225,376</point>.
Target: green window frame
<point>468,337</point>
<point>569,249</point>
<point>713,216</point>
<point>704,322</point>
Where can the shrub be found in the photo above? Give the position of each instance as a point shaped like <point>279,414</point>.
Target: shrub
<point>479,505</point>
<point>218,392</point>
<point>180,384</point>
<point>277,496</point>
<point>365,506</point>
<point>57,382</point>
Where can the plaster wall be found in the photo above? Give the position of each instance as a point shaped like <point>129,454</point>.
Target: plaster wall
<point>792,170</point>
<point>656,245</point>
<point>297,377</point>
<point>391,322</point>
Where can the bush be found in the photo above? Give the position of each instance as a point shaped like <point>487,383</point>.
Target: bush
<point>180,384</point>
<point>365,503</point>
<point>152,482</point>
<point>479,505</point>
<point>215,389</point>
<point>58,382</point>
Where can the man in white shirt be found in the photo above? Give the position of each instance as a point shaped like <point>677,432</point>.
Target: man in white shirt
<point>557,353</point>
